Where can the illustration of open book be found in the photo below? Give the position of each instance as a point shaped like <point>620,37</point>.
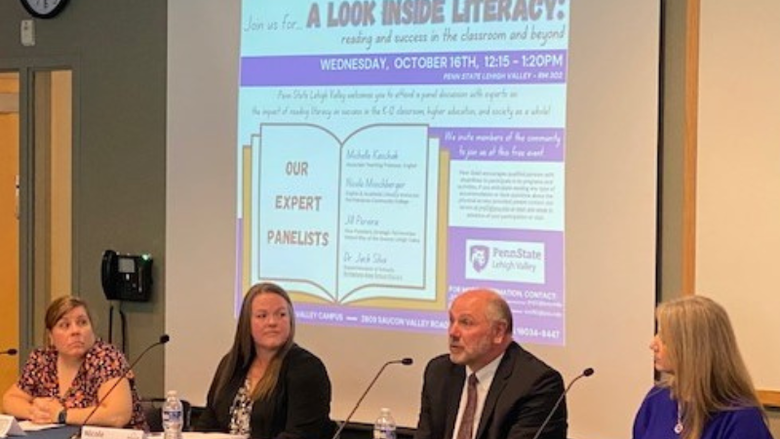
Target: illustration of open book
<point>345,220</point>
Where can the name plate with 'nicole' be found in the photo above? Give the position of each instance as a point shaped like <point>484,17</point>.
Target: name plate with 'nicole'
<point>92,432</point>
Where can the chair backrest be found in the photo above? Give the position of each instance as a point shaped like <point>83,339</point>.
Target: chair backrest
<point>153,411</point>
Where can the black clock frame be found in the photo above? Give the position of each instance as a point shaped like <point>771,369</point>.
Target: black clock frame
<point>51,14</point>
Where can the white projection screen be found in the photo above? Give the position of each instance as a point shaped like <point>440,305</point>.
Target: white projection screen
<point>378,157</point>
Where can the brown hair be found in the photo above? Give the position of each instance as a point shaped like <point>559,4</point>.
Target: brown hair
<point>708,373</point>
<point>242,353</point>
<point>61,306</point>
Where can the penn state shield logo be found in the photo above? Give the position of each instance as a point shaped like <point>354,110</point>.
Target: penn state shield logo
<point>479,256</point>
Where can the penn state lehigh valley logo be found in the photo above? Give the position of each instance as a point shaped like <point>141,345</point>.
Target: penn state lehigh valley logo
<point>479,255</point>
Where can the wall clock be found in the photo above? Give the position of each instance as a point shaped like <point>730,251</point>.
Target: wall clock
<point>44,8</point>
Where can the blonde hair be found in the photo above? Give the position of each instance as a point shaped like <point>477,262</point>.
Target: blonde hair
<point>708,374</point>
<point>241,355</point>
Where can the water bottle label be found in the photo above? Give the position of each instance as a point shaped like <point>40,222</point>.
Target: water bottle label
<point>172,416</point>
<point>384,433</point>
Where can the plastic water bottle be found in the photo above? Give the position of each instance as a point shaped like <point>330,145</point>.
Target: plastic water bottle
<point>384,427</point>
<point>172,416</point>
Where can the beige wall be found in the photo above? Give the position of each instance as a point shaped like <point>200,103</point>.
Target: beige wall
<point>738,176</point>
<point>738,203</point>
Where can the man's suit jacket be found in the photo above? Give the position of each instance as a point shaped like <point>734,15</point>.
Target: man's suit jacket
<point>522,394</point>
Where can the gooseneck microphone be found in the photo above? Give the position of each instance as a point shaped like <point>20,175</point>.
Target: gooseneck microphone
<point>585,373</point>
<point>11,352</point>
<point>163,339</point>
<point>404,361</point>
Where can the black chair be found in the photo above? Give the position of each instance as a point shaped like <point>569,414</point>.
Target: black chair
<point>153,410</point>
<point>195,412</point>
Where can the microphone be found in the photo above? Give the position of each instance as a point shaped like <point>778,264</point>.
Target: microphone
<point>404,361</point>
<point>10,352</point>
<point>163,339</point>
<point>585,373</point>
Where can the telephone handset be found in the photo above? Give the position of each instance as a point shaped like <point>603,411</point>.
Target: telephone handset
<point>108,272</point>
<point>126,277</point>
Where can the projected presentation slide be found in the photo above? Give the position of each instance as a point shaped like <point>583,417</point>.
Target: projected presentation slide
<point>392,154</point>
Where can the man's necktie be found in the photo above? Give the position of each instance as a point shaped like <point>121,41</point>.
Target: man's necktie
<point>467,421</point>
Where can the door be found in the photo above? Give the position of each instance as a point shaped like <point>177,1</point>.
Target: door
<point>36,228</point>
<point>9,225</point>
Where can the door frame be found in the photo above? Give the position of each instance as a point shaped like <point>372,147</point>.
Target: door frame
<point>29,300</point>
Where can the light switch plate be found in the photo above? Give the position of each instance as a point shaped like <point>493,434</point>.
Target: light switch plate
<point>28,33</point>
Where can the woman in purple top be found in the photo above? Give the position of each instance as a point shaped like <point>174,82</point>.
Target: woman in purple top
<point>705,391</point>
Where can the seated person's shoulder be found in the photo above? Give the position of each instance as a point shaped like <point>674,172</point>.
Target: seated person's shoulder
<point>302,354</point>
<point>104,349</point>
<point>747,416</point>
<point>530,361</point>
<point>42,356</point>
<point>105,356</point>
<point>658,393</point>
<point>442,361</point>
<point>299,357</point>
<point>440,366</point>
<point>302,369</point>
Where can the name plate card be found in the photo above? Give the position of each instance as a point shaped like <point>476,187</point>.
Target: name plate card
<point>9,427</point>
<point>92,432</point>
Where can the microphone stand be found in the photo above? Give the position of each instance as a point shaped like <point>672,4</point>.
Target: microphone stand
<point>405,362</point>
<point>163,339</point>
<point>585,373</point>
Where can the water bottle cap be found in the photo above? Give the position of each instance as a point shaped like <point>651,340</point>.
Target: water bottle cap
<point>171,393</point>
<point>385,410</point>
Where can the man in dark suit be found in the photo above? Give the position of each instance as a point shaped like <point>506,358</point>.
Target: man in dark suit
<point>511,391</point>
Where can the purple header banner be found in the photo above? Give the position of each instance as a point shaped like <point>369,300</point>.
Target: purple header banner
<point>504,67</point>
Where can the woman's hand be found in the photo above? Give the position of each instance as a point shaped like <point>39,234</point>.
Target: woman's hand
<point>45,410</point>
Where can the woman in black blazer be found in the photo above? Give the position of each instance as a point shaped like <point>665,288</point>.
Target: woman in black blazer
<point>268,387</point>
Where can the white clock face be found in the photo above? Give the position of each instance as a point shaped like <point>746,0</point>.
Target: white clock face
<point>43,6</point>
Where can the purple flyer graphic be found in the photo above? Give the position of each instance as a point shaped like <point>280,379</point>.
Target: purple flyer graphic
<point>389,161</point>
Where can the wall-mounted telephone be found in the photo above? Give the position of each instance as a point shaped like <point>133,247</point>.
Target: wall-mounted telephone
<point>126,277</point>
